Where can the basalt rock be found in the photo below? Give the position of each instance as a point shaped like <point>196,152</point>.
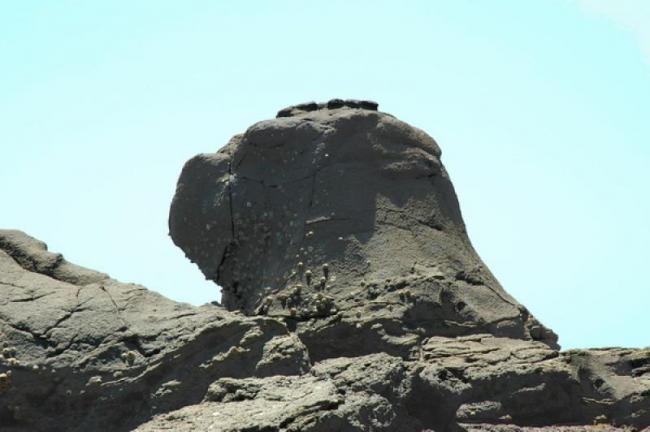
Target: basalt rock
<point>471,383</point>
<point>82,351</point>
<point>357,304</point>
<point>341,220</point>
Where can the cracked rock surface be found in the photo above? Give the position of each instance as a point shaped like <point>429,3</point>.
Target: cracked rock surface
<point>342,220</point>
<point>354,302</point>
<point>89,351</point>
<point>472,383</point>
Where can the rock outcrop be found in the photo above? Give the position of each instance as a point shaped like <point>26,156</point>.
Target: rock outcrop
<point>343,220</point>
<point>472,383</point>
<point>81,351</point>
<point>354,301</point>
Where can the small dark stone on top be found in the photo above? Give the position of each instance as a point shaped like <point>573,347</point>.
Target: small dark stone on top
<point>331,104</point>
<point>285,112</point>
<point>335,103</point>
<point>309,106</point>
<point>369,105</point>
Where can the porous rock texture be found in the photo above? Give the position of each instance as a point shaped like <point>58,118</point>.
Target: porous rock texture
<point>343,220</point>
<point>354,302</point>
<point>81,351</point>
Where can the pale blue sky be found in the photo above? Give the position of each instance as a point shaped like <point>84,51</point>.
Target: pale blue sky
<point>541,109</point>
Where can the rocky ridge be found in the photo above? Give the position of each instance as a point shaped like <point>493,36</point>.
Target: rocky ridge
<point>353,301</point>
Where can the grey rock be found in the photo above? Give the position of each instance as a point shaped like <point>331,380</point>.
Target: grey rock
<point>504,380</point>
<point>343,221</point>
<point>331,104</point>
<point>360,394</point>
<point>354,301</point>
<point>111,356</point>
<point>474,383</point>
<point>32,255</point>
<point>91,351</point>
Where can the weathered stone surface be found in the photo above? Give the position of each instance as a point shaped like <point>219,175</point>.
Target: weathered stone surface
<point>91,351</point>
<point>99,353</point>
<point>357,304</point>
<point>526,383</point>
<point>343,220</point>
<point>475,383</point>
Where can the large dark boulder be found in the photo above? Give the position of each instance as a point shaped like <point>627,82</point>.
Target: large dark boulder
<point>342,217</point>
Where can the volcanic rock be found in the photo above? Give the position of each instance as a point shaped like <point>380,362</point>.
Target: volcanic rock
<point>343,220</point>
<point>472,383</point>
<point>89,351</point>
<point>355,303</point>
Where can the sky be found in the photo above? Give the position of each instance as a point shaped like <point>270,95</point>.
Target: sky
<point>541,109</point>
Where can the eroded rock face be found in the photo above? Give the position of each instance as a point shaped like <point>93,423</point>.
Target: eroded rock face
<point>344,217</point>
<point>86,352</point>
<point>469,383</point>
<point>89,351</point>
<point>365,393</point>
<point>408,331</point>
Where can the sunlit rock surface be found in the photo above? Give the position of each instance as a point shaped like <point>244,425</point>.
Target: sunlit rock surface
<point>354,301</point>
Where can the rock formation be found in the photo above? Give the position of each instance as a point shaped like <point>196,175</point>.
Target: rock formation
<point>341,219</point>
<point>353,298</point>
<point>89,351</point>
